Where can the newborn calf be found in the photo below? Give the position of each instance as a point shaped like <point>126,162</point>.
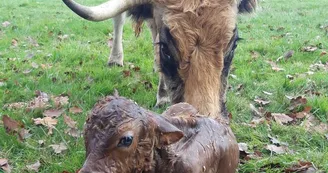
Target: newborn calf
<point>121,137</point>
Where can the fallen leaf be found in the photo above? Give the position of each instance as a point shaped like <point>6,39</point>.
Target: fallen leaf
<point>274,66</point>
<point>148,85</point>
<point>301,166</point>
<point>29,56</point>
<point>53,113</point>
<point>17,105</point>
<point>5,24</point>
<point>259,112</point>
<point>69,121</point>
<point>23,134</point>
<point>4,165</point>
<point>290,77</point>
<point>27,71</point>
<point>60,101</point>
<point>281,118</point>
<point>257,121</point>
<point>323,53</point>
<point>126,73</point>
<point>240,87</point>
<point>296,102</point>
<point>34,167</point>
<point>46,121</point>
<point>278,150</point>
<point>14,42</point>
<point>304,113</point>
<point>261,101</point>
<point>58,148</point>
<point>73,132</point>
<point>11,125</point>
<point>63,37</point>
<point>287,55</point>
<point>46,66</point>
<point>41,142</point>
<point>75,110</point>
<point>32,41</point>
<point>309,48</point>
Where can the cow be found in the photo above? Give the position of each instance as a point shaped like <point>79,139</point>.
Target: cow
<point>122,137</point>
<point>194,45</point>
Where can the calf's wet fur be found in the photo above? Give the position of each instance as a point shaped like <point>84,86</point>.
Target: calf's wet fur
<point>122,137</point>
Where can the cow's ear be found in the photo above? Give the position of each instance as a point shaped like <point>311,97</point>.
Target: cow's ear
<point>167,132</point>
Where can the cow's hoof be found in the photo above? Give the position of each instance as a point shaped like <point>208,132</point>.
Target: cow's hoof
<point>114,64</point>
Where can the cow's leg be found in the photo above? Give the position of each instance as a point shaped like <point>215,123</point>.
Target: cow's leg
<point>225,72</point>
<point>116,56</point>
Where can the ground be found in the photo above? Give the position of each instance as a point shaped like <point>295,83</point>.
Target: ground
<point>45,47</point>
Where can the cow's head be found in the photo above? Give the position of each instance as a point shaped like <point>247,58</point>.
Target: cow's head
<point>193,37</point>
<point>120,137</point>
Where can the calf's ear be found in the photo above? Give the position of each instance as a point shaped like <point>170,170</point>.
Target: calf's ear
<point>168,133</point>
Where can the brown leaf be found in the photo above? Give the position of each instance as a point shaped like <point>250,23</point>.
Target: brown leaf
<point>5,24</point>
<point>281,118</point>
<point>58,149</point>
<point>126,73</point>
<point>27,71</point>
<point>274,66</point>
<point>34,167</point>
<point>148,85</point>
<point>301,166</point>
<point>11,125</point>
<point>46,121</point>
<point>32,42</point>
<point>257,121</point>
<point>288,54</point>
<point>75,110</point>
<point>296,102</point>
<point>14,42</point>
<point>60,101</point>
<point>23,134</point>
<point>278,150</point>
<point>46,66</point>
<point>53,113</point>
<point>323,53</point>
<point>4,165</point>
<point>261,101</point>
<point>309,48</point>
<point>304,113</point>
<point>69,121</point>
<point>259,112</point>
<point>73,132</point>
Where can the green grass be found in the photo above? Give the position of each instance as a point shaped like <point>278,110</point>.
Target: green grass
<point>83,55</point>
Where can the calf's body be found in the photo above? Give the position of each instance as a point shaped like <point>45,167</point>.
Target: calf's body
<point>121,137</point>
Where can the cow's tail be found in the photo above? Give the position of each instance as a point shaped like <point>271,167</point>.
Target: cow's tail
<point>247,6</point>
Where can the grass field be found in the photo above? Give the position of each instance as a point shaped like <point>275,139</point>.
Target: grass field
<point>48,48</point>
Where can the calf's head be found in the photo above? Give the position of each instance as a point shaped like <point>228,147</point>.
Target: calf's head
<point>193,37</point>
<point>120,137</point>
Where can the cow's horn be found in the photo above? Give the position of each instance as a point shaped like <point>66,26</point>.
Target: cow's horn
<point>104,11</point>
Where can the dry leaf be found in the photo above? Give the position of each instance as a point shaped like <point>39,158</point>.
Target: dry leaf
<point>255,54</point>
<point>60,101</point>
<point>75,110</point>
<point>309,48</point>
<point>126,73</point>
<point>274,66</point>
<point>301,166</point>
<point>14,42</point>
<point>296,102</point>
<point>73,132</point>
<point>53,113</point>
<point>278,150</point>
<point>281,118</point>
<point>11,125</point>
<point>5,24</point>
<point>34,167</point>
<point>261,102</point>
<point>4,165</point>
<point>34,65</point>
<point>58,148</point>
<point>32,41</point>
<point>257,121</point>
<point>323,53</point>
<point>63,37</point>
<point>46,121</point>
<point>27,71</point>
<point>69,121</point>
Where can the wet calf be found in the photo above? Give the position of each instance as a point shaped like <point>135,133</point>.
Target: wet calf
<point>121,137</point>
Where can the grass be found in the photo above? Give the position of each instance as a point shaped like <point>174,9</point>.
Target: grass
<point>277,27</point>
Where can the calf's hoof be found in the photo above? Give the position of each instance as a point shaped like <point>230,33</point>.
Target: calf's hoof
<point>114,64</point>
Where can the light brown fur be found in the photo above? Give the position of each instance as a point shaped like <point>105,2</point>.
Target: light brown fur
<point>202,30</point>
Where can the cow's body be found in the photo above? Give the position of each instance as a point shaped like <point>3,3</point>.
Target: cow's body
<point>195,45</point>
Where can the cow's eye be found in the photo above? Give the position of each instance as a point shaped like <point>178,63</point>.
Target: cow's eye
<point>125,141</point>
<point>165,51</point>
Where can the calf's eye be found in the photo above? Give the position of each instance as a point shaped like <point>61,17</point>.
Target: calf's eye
<point>125,141</point>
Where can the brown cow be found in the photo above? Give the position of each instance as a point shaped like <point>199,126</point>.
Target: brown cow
<point>195,43</point>
<point>121,137</point>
